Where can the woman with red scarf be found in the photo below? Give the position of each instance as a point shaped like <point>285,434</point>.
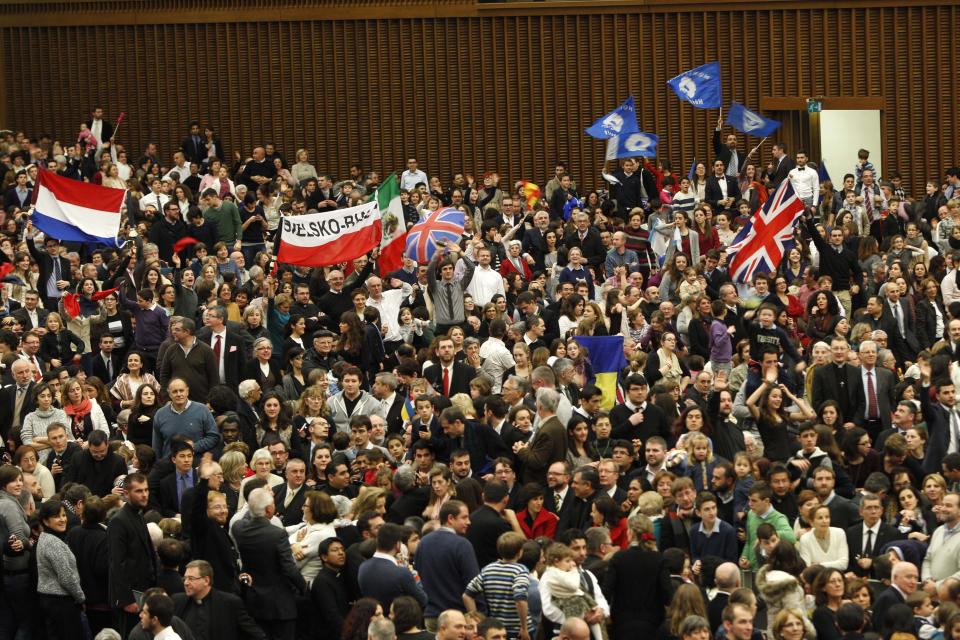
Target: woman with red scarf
<point>85,414</point>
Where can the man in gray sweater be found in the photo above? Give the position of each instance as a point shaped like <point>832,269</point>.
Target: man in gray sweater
<point>447,292</point>
<point>191,360</point>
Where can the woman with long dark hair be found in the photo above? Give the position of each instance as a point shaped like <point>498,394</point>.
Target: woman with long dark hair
<point>767,405</point>
<point>358,619</point>
<point>354,347</point>
<point>828,589</point>
<point>140,425</point>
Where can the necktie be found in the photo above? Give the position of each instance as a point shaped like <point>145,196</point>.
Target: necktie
<point>216,347</point>
<point>289,497</point>
<point>868,546</point>
<point>873,411</point>
<point>898,317</point>
<point>954,432</point>
<point>56,269</point>
<point>868,202</point>
<point>18,405</point>
<point>183,486</point>
<point>38,376</point>
<point>557,500</point>
<point>449,287</point>
<point>109,363</point>
<point>446,382</point>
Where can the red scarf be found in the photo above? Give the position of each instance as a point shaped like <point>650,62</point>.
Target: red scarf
<point>78,412</point>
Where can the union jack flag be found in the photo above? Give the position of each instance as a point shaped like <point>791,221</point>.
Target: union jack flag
<point>423,238</point>
<point>767,237</point>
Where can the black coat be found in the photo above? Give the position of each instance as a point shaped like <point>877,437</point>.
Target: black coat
<point>460,377</point>
<point>713,194</point>
<point>211,542</point>
<point>654,423</point>
<point>45,261</point>
<point>8,400</point>
<point>97,475</point>
<point>266,556</point>
<point>829,383</point>
<point>165,498</point>
<point>927,323</point>
<point>591,246</point>
<point>234,353</point>
<point>411,503</point>
<point>133,560</point>
<point>328,594</point>
<point>886,533</point>
<point>89,545</point>
<point>486,525</point>
<point>780,171</point>
<point>227,616</point>
<point>889,597</point>
<point>639,582</point>
<point>99,368</point>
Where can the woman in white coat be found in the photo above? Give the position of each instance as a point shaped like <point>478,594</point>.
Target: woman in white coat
<point>824,545</point>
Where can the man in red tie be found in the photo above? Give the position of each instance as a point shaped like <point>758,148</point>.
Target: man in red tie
<point>874,396</point>
<point>448,376</point>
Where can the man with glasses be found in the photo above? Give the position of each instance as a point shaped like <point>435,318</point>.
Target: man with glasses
<point>211,612</point>
<point>167,230</point>
<point>31,316</point>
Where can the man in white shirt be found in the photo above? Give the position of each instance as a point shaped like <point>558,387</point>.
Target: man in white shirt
<point>486,282</point>
<point>156,197</point>
<point>948,286</point>
<point>497,359</point>
<point>388,303</point>
<point>413,176</point>
<point>181,166</point>
<point>156,616</point>
<point>805,181</point>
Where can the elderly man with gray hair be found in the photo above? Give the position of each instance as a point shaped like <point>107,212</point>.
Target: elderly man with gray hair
<point>543,377</point>
<point>873,391</point>
<point>549,443</point>
<point>265,554</point>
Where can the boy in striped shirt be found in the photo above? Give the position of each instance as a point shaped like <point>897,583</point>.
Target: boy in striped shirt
<point>504,585</point>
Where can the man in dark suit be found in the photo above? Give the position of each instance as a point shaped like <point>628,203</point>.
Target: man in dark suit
<point>843,512</point>
<point>447,376</point>
<point>487,522</point>
<point>291,495</point>
<point>477,438</point>
<point>106,364</point>
<point>133,561</point>
<point>780,167</point>
<point>558,497</point>
<point>211,613</point>
<point>31,315</point>
<point>412,499</point>
<point>193,146</point>
<point>941,417</point>
<point>328,593</point>
<point>382,578</point>
<point>834,381</point>
<point>586,486</point>
<point>727,579</point>
<point>902,332</point>
<point>385,390</point>
<point>865,540</point>
<point>265,554</point>
<point>16,400</point>
<point>19,195</point>
<point>721,191</point>
<point>231,352</point>
<point>636,418</point>
<point>587,239</point>
<point>534,239</point>
<point>55,274</point>
<point>100,127</point>
<point>732,159</point>
<point>171,489</point>
<point>903,578</point>
<point>873,391</point>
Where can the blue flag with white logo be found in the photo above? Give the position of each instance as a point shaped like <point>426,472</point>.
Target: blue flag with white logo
<point>754,124</point>
<point>822,171</point>
<point>700,87</point>
<point>632,145</point>
<point>693,170</point>
<point>620,121</point>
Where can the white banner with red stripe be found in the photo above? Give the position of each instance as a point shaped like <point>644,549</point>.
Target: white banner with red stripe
<point>330,237</point>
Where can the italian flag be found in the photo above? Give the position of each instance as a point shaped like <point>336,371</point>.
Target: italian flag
<point>394,227</point>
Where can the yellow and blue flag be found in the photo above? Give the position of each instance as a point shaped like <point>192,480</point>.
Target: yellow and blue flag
<point>407,412</point>
<point>607,359</point>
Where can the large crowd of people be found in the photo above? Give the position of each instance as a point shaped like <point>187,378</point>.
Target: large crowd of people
<point>199,442</point>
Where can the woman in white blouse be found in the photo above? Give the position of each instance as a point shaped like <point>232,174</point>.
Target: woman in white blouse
<point>319,512</point>
<point>824,545</point>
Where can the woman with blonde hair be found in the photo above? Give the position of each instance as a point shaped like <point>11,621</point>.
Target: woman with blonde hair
<point>687,601</point>
<point>791,624</point>
<point>465,403</point>
<point>369,499</point>
<point>234,467</point>
<point>442,489</point>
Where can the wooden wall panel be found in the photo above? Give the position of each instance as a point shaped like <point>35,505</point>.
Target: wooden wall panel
<point>503,91</point>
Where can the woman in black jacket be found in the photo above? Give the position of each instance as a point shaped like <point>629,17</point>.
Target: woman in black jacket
<point>930,314</point>
<point>88,542</point>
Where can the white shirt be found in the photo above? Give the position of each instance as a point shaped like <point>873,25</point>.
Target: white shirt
<point>806,183</point>
<point>835,557</point>
<point>183,171</point>
<point>949,289</point>
<point>873,539</point>
<point>389,307</point>
<point>497,359</point>
<point>410,179</point>
<point>153,199</point>
<point>722,181</point>
<point>485,284</point>
<point>167,634</point>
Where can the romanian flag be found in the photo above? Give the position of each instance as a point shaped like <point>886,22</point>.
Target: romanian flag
<point>607,359</point>
<point>530,193</point>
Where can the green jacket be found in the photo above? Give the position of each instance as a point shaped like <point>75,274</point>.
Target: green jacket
<point>779,523</point>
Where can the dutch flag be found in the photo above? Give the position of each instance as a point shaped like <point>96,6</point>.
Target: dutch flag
<point>76,211</point>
